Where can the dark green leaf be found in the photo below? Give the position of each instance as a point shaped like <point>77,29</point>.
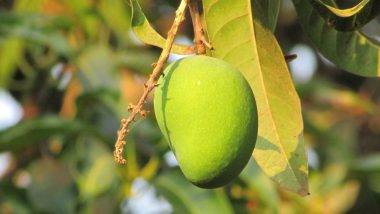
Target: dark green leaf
<point>351,51</point>
<point>51,189</point>
<point>347,19</point>
<point>268,14</point>
<point>38,29</point>
<point>99,170</point>
<point>36,130</point>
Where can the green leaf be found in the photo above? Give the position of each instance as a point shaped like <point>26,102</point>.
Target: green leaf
<point>139,60</point>
<point>351,51</point>
<point>187,198</point>
<point>148,35</point>
<point>51,189</point>
<point>99,172</point>
<point>36,28</point>
<point>367,164</point>
<point>256,180</point>
<point>35,130</point>
<point>345,12</point>
<point>347,19</point>
<point>98,68</point>
<point>98,109</point>
<point>14,205</point>
<point>117,16</point>
<point>253,49</point>
<point>11,50</point>
<point>269,10</point>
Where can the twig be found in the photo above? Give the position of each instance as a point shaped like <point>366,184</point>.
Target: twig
<point>290,57</point>
<point>149,85</point>
<point>199,38</point>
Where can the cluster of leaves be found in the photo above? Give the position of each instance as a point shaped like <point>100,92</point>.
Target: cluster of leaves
<point>74,66</point>
<point>257,55</point>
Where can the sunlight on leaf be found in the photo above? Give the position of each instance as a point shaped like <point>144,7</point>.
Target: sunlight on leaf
<point>351,51</point>
<point>280,149</point>
<point>345,12</point>
<point>144,31</point>
<point>347,19</point>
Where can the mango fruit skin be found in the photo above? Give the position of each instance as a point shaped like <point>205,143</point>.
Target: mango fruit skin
<point>206,110</point>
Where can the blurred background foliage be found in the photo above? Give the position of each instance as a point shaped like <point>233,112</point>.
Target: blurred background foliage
<point>68,70</point>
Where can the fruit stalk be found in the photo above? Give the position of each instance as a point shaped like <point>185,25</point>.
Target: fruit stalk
<point>149,85</point>
<point>199,37</point>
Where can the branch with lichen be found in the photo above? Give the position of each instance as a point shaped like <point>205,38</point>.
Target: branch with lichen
<point>149,85</point>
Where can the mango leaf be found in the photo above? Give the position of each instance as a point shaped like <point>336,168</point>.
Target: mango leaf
<point>36,130</point>
<point>187,198</point>
<point>99,171</point>
<point>117,16</point>
<point>11,50</point>
<point>36,28</point>
<point>102,204</point>
<point>138,60</point>
<point>144,31</point>
<point>368,164</point>
<point>269,10</point>
<point>279,148</point>
<point>98,68</point>
<point>98,109</point>
<point>345,12</point>
<point>52,188</point>
<point>351,51</point>
<point>12,204</point>
<point>347,19</point>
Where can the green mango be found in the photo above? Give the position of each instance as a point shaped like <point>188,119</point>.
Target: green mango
<point>207,112</point>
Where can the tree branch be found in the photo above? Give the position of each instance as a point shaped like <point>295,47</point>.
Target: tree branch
<point>149,85</point>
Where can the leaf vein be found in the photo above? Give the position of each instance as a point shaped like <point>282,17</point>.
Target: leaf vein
<point>226,24</point>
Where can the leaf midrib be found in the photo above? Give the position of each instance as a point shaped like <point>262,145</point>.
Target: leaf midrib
<point>266,95</point>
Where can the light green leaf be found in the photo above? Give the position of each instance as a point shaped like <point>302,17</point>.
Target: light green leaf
<point>148,35</point>
<point>117,16</point>
<point>347,19</point>
<point>253,49</point>
<point>187,198</point>
<point>150,169</point>
<point>351,51</point>
<point>345,12</point>
<point>11,50</point>
<point>99,173</point>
